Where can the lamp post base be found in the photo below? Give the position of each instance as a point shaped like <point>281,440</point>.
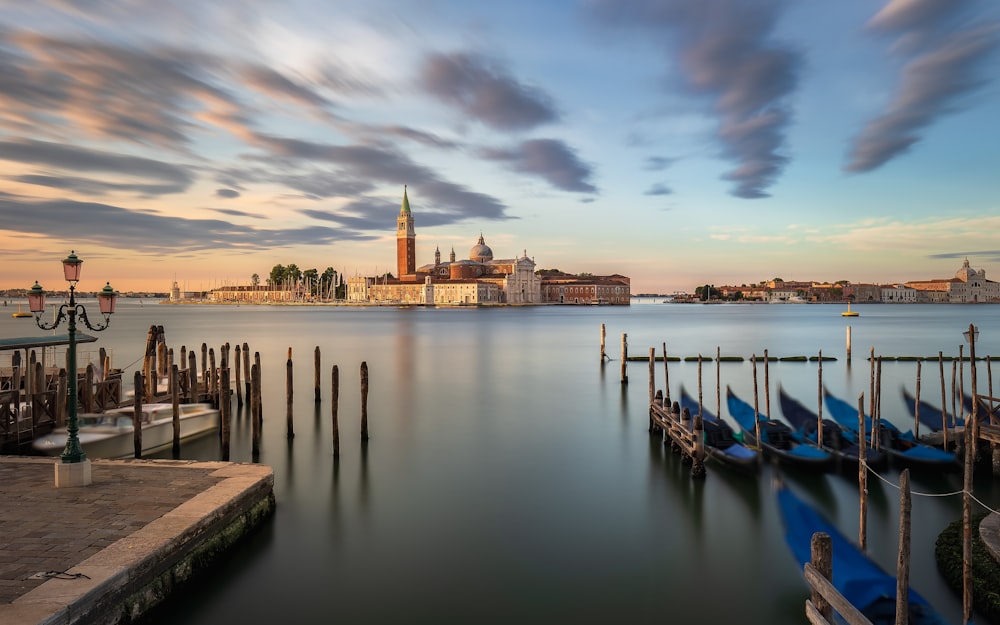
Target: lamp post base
<point>69,474</point>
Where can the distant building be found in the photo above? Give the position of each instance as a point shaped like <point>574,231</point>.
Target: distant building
<point>562,288</point>
<point>479,279</point>
<point>967,287</point>
<point>863,292</point>
<point>898,294</point>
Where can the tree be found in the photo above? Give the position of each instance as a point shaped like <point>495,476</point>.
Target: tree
<point>255,279</point>
<point>277,275</point>
<point>293,273</point>
<point>311,278</point>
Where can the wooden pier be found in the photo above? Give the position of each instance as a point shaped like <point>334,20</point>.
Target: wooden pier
<point>684,434</point>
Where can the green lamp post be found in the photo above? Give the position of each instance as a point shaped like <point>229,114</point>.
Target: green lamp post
<point>36,303</point>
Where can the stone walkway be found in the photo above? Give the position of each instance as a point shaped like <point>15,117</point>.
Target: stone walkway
<point>45,531</point>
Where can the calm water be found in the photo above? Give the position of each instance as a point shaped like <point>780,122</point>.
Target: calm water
<point>510,477</point>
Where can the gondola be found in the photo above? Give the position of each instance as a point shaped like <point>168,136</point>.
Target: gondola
<point>903,448</point>
<point>930,416</point>
<point>837,439</point>
<point>856,576</point>
<point>720,443</point>
<point>777,439</point>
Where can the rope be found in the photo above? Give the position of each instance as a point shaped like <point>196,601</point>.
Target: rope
<point>62,575</point>
<point>920,494</point>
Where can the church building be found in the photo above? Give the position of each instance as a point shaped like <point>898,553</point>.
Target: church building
<point>480,279</point>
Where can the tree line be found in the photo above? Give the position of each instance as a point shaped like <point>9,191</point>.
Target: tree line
<point>326,285</point>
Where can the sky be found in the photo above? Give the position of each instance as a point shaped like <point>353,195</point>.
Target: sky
<point>678,142</point>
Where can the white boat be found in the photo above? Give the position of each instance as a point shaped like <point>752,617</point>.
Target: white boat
<point>111,434</point>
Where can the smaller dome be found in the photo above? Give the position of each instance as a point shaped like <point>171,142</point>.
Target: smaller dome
<point>480,252</point>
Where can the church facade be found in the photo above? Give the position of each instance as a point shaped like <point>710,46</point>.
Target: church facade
<point>479,279</point>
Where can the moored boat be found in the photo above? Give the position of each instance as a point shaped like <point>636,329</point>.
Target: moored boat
<point>720,442</point>
<point>857,577</point>
<point>776,438</point>
<point>837,439</point>
<point>111,434</point>
<point>903,448</point>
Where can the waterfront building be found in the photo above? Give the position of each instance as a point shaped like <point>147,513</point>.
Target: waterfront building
<point>898,294</point>
<point>968,286</point>
<point>478,279</point>
<point>562,288</point>
<point>863,292</point>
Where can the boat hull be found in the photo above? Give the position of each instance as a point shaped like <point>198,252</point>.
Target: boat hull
<point>112,435</point>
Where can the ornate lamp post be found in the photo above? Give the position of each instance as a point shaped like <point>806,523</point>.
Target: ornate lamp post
<point>73,454</point>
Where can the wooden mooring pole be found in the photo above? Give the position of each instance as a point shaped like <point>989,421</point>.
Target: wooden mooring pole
<point>175,402</point>
<point>624,358</point>
<point>317,372</point>
<point>139,386</point>
<point>903,560</point>
<point>255,409</point>
<point>604,356</point>
<point>239,389</point>
<point>652,378</point>
<point>334,401</point>
<point>246,370</point>
<point>364,402</point>
<point>862,477</point>
<point>944,405</point>
<point>848,344</point>
<point>225,410</point>
<point>821,558</point>
<point>289,426</point>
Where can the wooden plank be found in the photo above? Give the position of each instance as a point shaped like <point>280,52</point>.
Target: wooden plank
<point>850,614</point>
<point>814,615</point>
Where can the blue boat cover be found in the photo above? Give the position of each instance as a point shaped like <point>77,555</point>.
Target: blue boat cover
<point>859,579</point>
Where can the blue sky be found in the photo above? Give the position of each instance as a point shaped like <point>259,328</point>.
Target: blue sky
<point>678,142</point>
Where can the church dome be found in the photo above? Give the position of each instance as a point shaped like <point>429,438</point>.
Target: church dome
<point>481,252</point>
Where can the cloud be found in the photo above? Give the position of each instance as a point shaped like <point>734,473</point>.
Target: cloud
<point>658,189</point>
<point>169,178</point>
<point>726,52</point>
<point>227,193</point>
<point>116,227</point>
<point>88,186</point>
<point>943,60</point>
<point>992,256</point>
<point>658,163</point>
<point>549,159</point>
<point>236,213</point>
<point>486,92</point>
<point>371,164</point>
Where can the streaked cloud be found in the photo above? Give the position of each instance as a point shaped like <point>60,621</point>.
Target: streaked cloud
<point>658,189</point>
<point>117,228</point>
<point>227,193</point>
<point>726,51</point>
<point>549,159</point>
<point>486,92</point>
<point>945,56</point>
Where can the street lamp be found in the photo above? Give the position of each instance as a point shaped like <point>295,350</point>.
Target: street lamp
<point>36,303</point>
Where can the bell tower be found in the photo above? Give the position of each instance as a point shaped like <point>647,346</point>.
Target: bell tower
<point>406,242</point>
